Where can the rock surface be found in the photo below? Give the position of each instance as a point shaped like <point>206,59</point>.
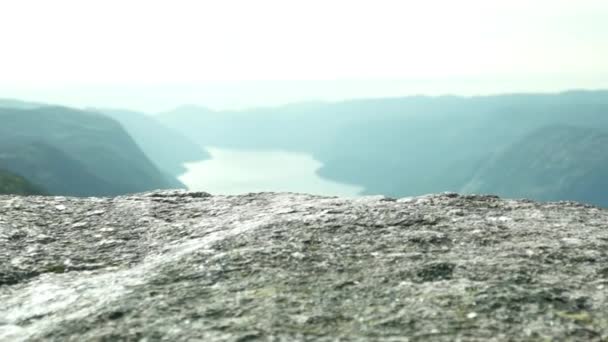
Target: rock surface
<point>179,266</point>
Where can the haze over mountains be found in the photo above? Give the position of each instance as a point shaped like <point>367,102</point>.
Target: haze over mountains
<point>539,146</point>
<point>168,149</point>
<point>73,152</point>
<point>403,146</point>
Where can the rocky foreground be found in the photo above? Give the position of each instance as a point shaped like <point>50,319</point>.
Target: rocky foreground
<point>180,266</point>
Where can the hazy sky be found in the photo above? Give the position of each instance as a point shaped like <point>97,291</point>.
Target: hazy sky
<point>70,49</point>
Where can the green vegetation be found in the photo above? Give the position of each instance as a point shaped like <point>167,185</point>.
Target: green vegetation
<point>12,184</point>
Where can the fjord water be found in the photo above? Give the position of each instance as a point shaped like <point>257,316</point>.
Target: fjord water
<point>235,171</point>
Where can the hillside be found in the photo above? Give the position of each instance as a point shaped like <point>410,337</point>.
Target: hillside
<point>552,163</point>
<point>97,143</point>
<point>59,173</point>
<point>395,146</point>
<point>179,266</point>
<point>168,149</point>
<point>12,184</point>
<point>165,147</point>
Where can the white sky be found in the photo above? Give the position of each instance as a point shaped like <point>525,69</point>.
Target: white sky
<point>67,43</point>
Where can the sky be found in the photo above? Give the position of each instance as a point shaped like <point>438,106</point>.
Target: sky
<point>154,54</point>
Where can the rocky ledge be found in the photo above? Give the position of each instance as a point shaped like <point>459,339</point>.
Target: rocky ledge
<point>180,266</point>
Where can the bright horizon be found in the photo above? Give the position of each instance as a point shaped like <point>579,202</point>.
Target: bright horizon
<point>156,55</point>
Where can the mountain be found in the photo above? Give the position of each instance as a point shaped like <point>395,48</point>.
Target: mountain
<point>18,104</point>
<point>167,148</point>
<point>87,141</point>
<point>184,266</point>
<point>551,163</point>
<point>13,184</point>
<point>59,173</point>
<point>395,146</point>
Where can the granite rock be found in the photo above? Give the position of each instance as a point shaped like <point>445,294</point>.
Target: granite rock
<point>188,266</point>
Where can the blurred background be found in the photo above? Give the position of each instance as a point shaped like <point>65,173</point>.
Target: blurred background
<point>337,98</point>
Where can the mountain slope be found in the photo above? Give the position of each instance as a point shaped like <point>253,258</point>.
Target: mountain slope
<point>395,146</point>
<point>167,148</point>
<point>98,143</point>
<point>12,184</point>
<point>49,166</point>
<point>551,163</point>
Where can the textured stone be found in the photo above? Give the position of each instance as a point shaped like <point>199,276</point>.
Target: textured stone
<point>180,266</point>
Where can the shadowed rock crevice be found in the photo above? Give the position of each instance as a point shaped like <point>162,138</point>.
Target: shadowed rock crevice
<point>184,266</point>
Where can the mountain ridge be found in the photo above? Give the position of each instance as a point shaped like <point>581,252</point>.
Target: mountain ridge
<point>399,146</point>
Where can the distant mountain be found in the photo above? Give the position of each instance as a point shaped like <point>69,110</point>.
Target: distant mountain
<point>312,126</point>
<point>93,146</point>
<point>12,184</point>
<point>552,163</point>
<point>167,148</point>
<point>439,145</point>
<point>395,146</point>
<point>287,127</point>
<point>18,104</point>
